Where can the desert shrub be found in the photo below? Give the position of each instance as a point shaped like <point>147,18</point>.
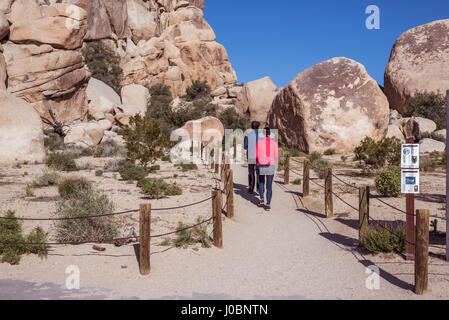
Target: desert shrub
<point>46,178</point>
<point>388,181</point>
<point>74,152</point>
<point>85,203</point>
<point>70,187</point>
<point>144,140</point>
<point>232,120</point>
<point>104,64</point>
<point>318,164</point>
<point>428,105</point>
<point>165,243</point>
<point>166,158</point>
<point>131,172</point>
<point>114,165</point>
<point>84,165</point>
<point>99,173</point>
<point>98,151</point>
<point>344,158</point>
<point>297,181</point>
<point>329,152</point>
<point>13,243</point>
<point>379,154</point>
<point>60,161</point>
<point>53,141</point>
<point>384,238</point>
<point>198,89</point>
<point>191,236</point>
<point>295,153</point>
<point>187,166</point>
<point>29,190</point>
<point>155,168</point>
<point>429,163</point>
<point>155,188</point>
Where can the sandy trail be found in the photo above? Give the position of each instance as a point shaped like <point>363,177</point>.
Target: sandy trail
<point>284,254</point>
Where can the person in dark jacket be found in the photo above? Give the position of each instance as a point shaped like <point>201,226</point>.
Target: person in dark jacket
<point>250,141</point>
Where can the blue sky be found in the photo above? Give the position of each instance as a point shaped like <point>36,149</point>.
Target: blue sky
<point>281,38</point>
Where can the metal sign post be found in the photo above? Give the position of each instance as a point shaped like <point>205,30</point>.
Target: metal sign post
<point>410,186</point>
<point>447,178</point>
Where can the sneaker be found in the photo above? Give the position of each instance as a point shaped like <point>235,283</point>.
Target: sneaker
<point>261,203</point>
<point>268,207</point>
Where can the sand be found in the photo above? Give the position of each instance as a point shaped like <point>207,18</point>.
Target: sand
<point>289,253</point>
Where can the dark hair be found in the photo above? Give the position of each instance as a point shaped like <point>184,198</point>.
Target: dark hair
<point>267,131</point>
<point>255,125</point>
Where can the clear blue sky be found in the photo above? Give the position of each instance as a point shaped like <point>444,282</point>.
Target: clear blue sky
<point>284,37</point>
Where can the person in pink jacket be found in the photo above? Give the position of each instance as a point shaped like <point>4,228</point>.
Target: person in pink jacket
<point>267,154</point>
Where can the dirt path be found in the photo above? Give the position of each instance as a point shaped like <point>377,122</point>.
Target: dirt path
<point>284,254</point>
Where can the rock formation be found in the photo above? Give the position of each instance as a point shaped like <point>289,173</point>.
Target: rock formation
<point>256,98</point>
<point>333,104</point>
<point>419,61</point>
<point>21,136</point>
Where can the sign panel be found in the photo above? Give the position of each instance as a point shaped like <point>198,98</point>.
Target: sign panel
<point>410,156</point>
<point>410,181</point>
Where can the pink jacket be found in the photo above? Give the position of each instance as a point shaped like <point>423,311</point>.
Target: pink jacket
<point>266,152</point>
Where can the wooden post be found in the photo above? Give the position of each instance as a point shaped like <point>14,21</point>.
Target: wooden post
<point>447,177</point>
<point>212,159</point>
<point>287,169</point>
<point>328,196</point>
<point>306,176</point>
<point>422,251</point>
<point>230,195</point>
<point>410,220</point>
<point>363,213</point>
<point>216,210</point>
<point>144,238</point>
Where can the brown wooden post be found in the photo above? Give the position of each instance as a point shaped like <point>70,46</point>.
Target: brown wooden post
<point>235,147</point>
<point>287,169</point>
<point>410,220</point>
<point>230,195</point>
<point>306,176</point>
<point>144,238</point>
<point>422,251</point>
<point>328,196</point>
<point>216,210</point>
<point>212,159</point>
<point>363,213</point>
<point>447,177</point>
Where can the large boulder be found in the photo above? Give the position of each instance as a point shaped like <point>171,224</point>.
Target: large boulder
<point>21,135</point>
<point>441,133</point>
<point>48,78</point>
<point>394,131</point>
<point>141,21</point>
<point>4,25</point>
<point>136,95</point>
<point>419,61</point>
<point>102,98</point>
<point>207,129</point>
<point>256,98</point>
<point>333,104</point>
<point>430,145</point>
<point>84,135</point>
<point>62,26</point>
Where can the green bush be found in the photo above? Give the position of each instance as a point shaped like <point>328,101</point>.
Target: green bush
<point>318,164</point>
<point>232,120</point>
<point>47,178</point>
<point>385,239</point>
<point>314,156</point>
<point>53,141</point>
<point>187,166</point>
<point>99,173</point>
<point>155,168</point>
<point>114,165</point>
<point>132,172</point>
<point>344,158</point>
<point>29,191</point>
<point>62,162</point>
<point>104,64</point>
<point>388,181</point>
<point>191,236</point>
<point>155,188</point>
<point>144,140</point>
<point>98,151</point>
<point>329,152</point>
<point>428,105</point>
<point>379,154</point>
<point>70,187</point>
<point>166,158</point>
<point>297,181</point>
<point>85,203</point>
<point>198,89</point>
<point>13,243</point>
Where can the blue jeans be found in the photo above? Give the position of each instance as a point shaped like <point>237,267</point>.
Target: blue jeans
<point>269,181</point>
